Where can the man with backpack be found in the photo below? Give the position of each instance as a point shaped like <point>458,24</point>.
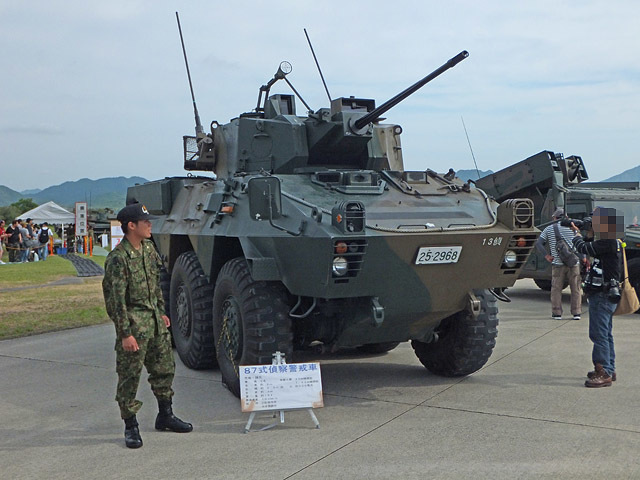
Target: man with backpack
<point>43,239</point>
<point>555,243</point>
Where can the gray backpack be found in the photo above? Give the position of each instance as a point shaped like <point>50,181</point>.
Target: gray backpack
<point>565,252</point>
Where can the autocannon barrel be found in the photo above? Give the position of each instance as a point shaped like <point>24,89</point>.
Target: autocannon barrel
<point>378,112</point>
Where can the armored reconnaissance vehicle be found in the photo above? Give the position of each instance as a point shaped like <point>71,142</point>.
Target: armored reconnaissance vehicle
<point>312,236</point>
<point>550,181</point>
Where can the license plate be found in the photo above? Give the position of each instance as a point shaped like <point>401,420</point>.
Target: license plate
<point>431,255</point>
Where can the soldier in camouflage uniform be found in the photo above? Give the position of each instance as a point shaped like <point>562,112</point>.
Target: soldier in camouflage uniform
<point>134,303</point>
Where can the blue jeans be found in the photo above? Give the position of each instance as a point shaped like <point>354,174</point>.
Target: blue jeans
<point>601,331</point>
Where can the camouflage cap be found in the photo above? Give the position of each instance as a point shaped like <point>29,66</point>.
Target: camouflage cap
<point>133,213</point>
<point>559,213</point>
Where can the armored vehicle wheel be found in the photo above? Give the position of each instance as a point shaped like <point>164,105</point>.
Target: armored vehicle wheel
<point>190,306</point>
<point>378,347</point>
<point>250,321</point>
<point>464,343</point>
<point>633,265</point>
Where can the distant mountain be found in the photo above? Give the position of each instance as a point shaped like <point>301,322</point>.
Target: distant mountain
<point>8,196</point>
<point>105,192</point>
<point>28,193</point>
<point>113,200</point>
<point>101,193</point>
<point>631,175</point>
<point>472,174</point>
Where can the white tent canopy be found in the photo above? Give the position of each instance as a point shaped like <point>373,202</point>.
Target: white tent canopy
<point>49,212</point>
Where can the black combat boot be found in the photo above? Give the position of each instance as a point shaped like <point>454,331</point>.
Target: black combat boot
<point>132,436</point>
<point>166,420</point>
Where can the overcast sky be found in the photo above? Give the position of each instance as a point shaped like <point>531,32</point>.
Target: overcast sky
<point>98,89</point>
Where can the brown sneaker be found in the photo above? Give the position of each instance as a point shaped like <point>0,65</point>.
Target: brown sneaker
<point>600,379</point>
<point>592,374</point>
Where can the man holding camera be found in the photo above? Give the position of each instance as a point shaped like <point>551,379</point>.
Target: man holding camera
<point>602,286</point>
<point>562,270</point>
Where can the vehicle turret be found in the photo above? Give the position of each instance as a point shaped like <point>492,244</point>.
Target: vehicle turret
<point>273,138</point>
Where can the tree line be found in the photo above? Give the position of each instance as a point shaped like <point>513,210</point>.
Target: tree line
<point>13,211</point>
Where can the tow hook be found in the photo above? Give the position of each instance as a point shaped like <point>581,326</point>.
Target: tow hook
<point>475,305</point>
<point>499,294</point>
<point>378,312</point>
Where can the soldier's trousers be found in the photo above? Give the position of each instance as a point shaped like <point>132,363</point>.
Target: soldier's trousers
<point>156,355</point>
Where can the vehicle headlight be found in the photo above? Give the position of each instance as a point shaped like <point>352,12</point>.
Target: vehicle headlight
<point>340,266</point>
<point>510,259</point>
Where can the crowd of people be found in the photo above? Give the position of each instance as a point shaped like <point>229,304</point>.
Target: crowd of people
<point>24,240</point>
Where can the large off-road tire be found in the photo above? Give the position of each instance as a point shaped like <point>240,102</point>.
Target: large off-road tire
<point>378,347</point>
<point>633,266</point>
<point>250,321</point>
<point>190,307</point>
<point>464,343</point>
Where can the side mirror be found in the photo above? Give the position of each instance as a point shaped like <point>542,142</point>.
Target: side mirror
<point>265,198</point>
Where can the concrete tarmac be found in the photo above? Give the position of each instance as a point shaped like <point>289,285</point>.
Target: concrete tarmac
<point>526,414</point>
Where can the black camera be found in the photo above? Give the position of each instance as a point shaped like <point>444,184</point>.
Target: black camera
<point>613,291</point>
<point>584,224</point>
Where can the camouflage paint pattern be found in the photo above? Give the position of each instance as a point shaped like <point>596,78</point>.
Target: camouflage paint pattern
<point>131,289</point>
<point>322,162</point>
<point>156,354</point>
<point>135,304</point>
<point>415,297</point>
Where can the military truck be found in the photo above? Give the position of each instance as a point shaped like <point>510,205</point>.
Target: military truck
<point>309,234</point>
<point>550,181</point>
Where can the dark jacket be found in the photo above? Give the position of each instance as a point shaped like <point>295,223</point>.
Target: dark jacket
<point>14,239</point>
<point>607,254</point>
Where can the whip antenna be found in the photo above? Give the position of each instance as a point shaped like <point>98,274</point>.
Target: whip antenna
<point>469,142</point>
<point>317,64</point>
<point>199,129</point>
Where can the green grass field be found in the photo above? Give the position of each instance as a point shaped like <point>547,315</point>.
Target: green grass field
<point>35,273</point>
<point>29,304</point>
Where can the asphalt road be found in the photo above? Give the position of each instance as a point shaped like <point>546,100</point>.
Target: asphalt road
<point>525,415</point>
